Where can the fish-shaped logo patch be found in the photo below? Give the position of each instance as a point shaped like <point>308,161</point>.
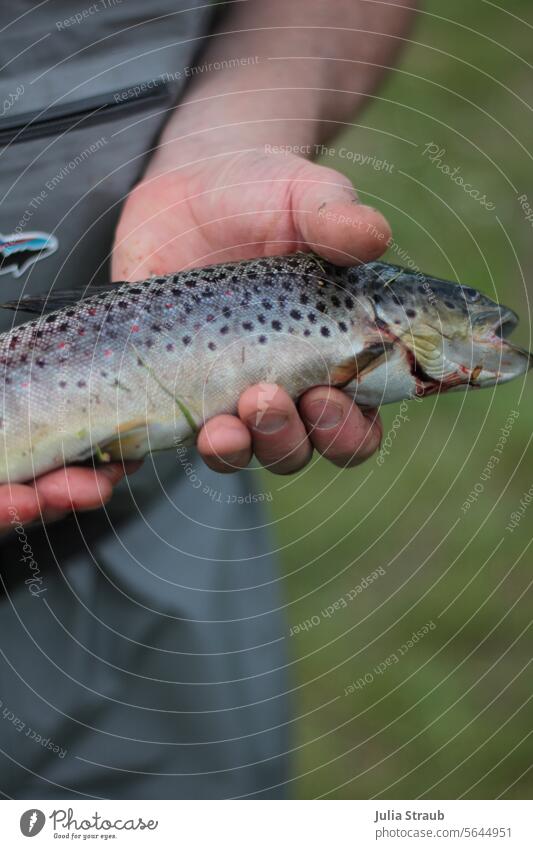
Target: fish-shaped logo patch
<point>18,251</point>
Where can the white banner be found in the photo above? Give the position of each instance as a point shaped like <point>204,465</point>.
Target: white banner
<point>268,824</point>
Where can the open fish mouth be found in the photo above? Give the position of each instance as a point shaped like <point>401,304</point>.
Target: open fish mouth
<point>489,357</point>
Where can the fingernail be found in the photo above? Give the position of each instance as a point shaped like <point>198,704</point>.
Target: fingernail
<point>232,459</point>
<point>324,415</point>
<point>268,422</point>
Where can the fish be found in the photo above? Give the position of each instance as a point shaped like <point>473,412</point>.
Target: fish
<point>119,370</point>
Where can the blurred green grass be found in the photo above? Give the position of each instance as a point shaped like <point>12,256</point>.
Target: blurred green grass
<point>452,717</point>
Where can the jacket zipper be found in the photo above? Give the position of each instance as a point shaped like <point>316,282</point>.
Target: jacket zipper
<point>83,113</point>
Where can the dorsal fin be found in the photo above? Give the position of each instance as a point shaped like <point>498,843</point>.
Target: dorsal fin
<point>57,299</point>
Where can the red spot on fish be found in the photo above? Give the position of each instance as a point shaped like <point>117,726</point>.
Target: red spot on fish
<point>169,306</point>
<point>134,328</point>
<point>61,345</point>
<point>228,292</point>
<point>108,352</point>
<point>81,332</point>
<point>25,385</point>
<point>92,311</point>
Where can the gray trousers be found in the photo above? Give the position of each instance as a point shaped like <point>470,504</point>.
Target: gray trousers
<point>141,647</point>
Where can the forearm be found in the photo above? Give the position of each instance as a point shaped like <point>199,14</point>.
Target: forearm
<point>282,72</point>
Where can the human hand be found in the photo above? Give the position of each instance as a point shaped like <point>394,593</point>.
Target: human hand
<point>54,495</point>
<point>237,206</point>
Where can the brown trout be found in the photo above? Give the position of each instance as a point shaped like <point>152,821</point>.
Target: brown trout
<point>125,369</point>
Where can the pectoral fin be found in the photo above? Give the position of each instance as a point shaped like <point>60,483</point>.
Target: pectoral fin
<point>360,364</point>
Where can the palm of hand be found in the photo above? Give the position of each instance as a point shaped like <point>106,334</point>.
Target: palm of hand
<point>239,206</point>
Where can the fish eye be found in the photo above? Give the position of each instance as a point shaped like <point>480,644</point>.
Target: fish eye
<point>470,294</point>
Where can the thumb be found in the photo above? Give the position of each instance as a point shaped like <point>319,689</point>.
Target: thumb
<point>331,221</point>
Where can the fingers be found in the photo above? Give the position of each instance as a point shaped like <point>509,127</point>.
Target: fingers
<point>57,493</point>
<point>282,437</point>
<point>76,488</point>
<point>18,503</point>
<point>278,434</point>
<point>337,428</point>
<point>225,444</point>
<point>332,222</point>
<point>269,426</point>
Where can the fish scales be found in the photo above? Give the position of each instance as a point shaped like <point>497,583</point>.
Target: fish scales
<point>139,367</point>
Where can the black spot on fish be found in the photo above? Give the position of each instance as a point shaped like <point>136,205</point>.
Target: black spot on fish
<point>312,317</point>
<point>156,328</point>
<point>224,329</point>
<point>342,326</point>
<point>296,315</point>
<point>40,362</point>
<point>348,302</point>
<point>324,331</point>
<point>186,340</point>
<point>136,291</point>
<point>226,312</point>
<point>261,319</point>
<point>307,332</point>
<point>410,313</point>
<point>63,327</point>
<point>170,346</point>
<point>62,383</point>
<point>262,340</point>
<point>276,325</point>
<point>247,325</point>
<point>211,346</point>
<point>304,299</point>
<point>50,319</point>
<point>449,305</point>
<point>266,304</point>
<point>335,301</point>
<point>81,384</point>
<point>321,307</point>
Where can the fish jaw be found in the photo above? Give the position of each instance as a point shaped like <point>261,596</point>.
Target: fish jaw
<point>427,365</point>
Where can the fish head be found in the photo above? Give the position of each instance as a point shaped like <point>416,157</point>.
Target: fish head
<point>453,335</point>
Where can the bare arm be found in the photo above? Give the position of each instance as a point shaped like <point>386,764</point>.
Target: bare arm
<point>276,74</point>
<point>291,72</point>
